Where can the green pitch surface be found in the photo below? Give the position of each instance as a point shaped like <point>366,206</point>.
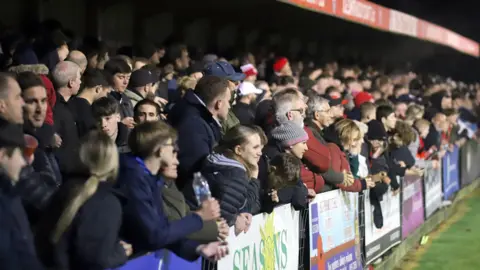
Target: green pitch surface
<point>457,246</point>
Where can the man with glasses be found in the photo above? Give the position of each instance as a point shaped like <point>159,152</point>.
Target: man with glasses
<point>319,117</point>
<point>290,105</point>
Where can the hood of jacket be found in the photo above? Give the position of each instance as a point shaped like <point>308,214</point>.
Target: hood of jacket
<point>39,69</point>
<point>219,162</point>
<point>133,95</point>
<point>189,105</point>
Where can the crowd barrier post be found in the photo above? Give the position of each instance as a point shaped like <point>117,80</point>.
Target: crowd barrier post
<point>334,231</point>
<point>380,240</point>
<point>432,188</point>
<point>469,157</point>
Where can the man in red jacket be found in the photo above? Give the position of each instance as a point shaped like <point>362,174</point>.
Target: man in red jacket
<point>316,171</point>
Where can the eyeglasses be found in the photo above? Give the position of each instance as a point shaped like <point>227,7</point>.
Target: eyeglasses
<point>301,111</point>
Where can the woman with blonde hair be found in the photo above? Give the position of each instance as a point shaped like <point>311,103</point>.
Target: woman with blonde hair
<point>81,228</point>
<point>345,139</point>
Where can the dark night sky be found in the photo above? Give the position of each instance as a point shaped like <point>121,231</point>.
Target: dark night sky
<point>459,16</point>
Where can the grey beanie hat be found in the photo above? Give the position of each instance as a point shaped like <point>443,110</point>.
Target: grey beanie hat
<point>288,134</point>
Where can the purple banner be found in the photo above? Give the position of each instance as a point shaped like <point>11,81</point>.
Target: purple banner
<point>343,260</point>
<point>413,214</point>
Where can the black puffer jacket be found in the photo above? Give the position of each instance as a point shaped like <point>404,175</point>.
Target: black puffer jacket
<point>231,186</point>
<point>17,251</point>
<point>40,180</point>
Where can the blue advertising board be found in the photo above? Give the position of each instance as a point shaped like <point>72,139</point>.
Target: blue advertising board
<point>451,171</point>
<point>161,260</point>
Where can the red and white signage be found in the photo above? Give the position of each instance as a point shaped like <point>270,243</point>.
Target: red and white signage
<point>382,18</point>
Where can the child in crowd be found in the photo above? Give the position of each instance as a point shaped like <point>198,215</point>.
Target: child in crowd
<point>378,159</point>
<point>400,160</point>
<point>283,181</point>
<point>106,112</point>
<point>423,128</point>
<point>368,112</point>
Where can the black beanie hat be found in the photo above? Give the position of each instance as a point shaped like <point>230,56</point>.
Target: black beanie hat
<point>11,135</point>
<point>376,131</point>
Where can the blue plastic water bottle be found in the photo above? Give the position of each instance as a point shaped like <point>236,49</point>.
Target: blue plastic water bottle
<point>201,188</point>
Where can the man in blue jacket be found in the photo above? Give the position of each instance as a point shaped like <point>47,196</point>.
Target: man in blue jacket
<point>145,224</point>
<point>197,119</point>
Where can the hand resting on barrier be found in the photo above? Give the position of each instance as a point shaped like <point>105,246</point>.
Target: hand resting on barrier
<point>213,251</point>
<point>348,178</point>
<point>243,222</point>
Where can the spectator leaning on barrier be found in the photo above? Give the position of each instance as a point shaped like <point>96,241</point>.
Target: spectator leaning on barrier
<point>197,119</point>
<point>283,182</point>
<point>41,178</point>
<point>455,138</point>
<point>378,159</point>
<point>290,138</point>
<point>176,208</point>
<point>345,139</point>
<point>400,160</point>
<point>434,138</point>
<point>414,113</point>
<point>146,225</point>
<point>17,247</point>
<point>107,116</point>
<point>318,158</point>
<point>82,225</point>
<point>287,105</point>
<point>232,172</point>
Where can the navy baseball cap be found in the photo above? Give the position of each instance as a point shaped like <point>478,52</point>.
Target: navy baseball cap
<point>141,78</point>
<point>224,70</point>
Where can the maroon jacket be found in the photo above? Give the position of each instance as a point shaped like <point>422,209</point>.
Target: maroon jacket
<point>340,163</point>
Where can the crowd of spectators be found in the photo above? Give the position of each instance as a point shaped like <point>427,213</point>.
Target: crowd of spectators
<point>98,152</point>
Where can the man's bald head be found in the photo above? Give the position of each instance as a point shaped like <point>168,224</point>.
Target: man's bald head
<point>78,58</point>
